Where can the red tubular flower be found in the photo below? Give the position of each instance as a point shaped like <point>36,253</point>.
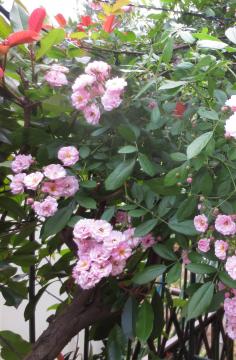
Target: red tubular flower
<point>1,73</point>
<point>36,19</point>
<point>108,24</point>
<point>86,20</point>
<point>180,108</point>
<point>60,20</point>
<point>4,49</point>
<point>22,37</point>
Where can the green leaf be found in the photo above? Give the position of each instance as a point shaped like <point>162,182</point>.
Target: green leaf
<point>144,321</point>
<point>176,175</point>
<point>145,88</point>
<point>54,37</point>
<point>147,166</point>
<point>200,301</point>
<point>127,319</point>
<point>117,178</point>
<point>115,343</point>
<point>148,274</point>
<point>129,149</point>
<point>108,213</point>
<point>170,84</point>
<point>13,347</point>
<point>201,268</point>
<point>227,280</point>
<point>178,156</point>
<point>18,17</point>
<point>12,207</point>
<point>30,307</point>
<point>56,104</point>
<point>5,28</point>
<point>208,114</point>
<point>184,227</point>
<point>145,228</point>
<point>57,222</point>
<point>167,51</point>
<point>217,301</point>
<point>174,273</point>
<point>198,145</point>
<point>187,209</point>
<point>85,201</point>
<point>164,252</point>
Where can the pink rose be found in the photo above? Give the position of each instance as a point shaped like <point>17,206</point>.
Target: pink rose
<point>225,225</point>
<point>32,180</point>
<point>56,78</point>
<point>204,245</point>
<point>221,248</point>
<point>230,266</point>
<point>99,69</point>
<point>17,183</point>
<point>92,114</point>
<point>46,208</point>
<point>83,81</point>
<point>80,99</point>
<point>110,101</point>
<point>68,155</point>
<point>54,171</point>
<point>200,223</point>
<point>21,162</point>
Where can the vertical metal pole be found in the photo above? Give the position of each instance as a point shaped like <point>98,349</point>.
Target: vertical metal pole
<point>86,343</point>
<point>31,297</point>
<point>191,327</point>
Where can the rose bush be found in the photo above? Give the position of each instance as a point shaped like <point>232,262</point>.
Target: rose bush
<point>117,171</point>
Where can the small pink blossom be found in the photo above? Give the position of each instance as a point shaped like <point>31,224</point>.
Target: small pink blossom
<point>29,201</point>
<point>56,78</point>
<point>185,258</point>
<point>94,5</point>
<point>83,82</point>
<point>152,104</point>
<point>231,103</point>
<point>52,188</point>
<point>147,241</point>
<point>121,252</point>
<point>102,269</point>
<point>32,180</point>
<point>54,171</point>
<point>68,155</point>
<point>122,217</point>
<point>204,245</point>
<point>230,311</point>
<point>189,180</point>
<point>200,223</point>
<point>21,162</point>
<point>67,186</point>
<point>60,68</point>
<point>230,127</point>
<point>82,229</point>
<point>99,69</point>
<point>114,239</point>
<point>83,264</point>
<point>85,279</point>
<point>221,248</point>
<point>117,267</point>
<point>46,208</point>
<point>116,85</point>
<point>80,99</point>
<point>17,183</point>
<point>110,101</point>
<point>230,266</point>
<point>100,230</point>
<point>132,241</point>
<point>92,114</point>
<point>98,254</point>
<point>225,225</point>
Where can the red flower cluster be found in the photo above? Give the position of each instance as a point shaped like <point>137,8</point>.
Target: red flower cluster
<point>35,23</point>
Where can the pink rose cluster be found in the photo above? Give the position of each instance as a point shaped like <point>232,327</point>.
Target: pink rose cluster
<point>230,316</point>
<point>102,250</point>
<point>224,225</point>
<point>56,75</point>
<point>230,124</point>
<point>94,91</point>
<point>52,180</point>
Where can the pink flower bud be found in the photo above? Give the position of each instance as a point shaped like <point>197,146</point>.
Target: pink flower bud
<point>189,180</point>
<point>29,201</point>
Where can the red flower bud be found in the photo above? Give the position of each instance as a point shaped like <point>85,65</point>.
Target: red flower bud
<point>86,20</point>
<point>36,19</point>
<point>22,37</point>
<point>180,108</point>
<point>108,24</point>
<point>61,20</point>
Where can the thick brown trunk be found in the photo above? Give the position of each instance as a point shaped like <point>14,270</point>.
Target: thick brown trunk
<point>85,309</point>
